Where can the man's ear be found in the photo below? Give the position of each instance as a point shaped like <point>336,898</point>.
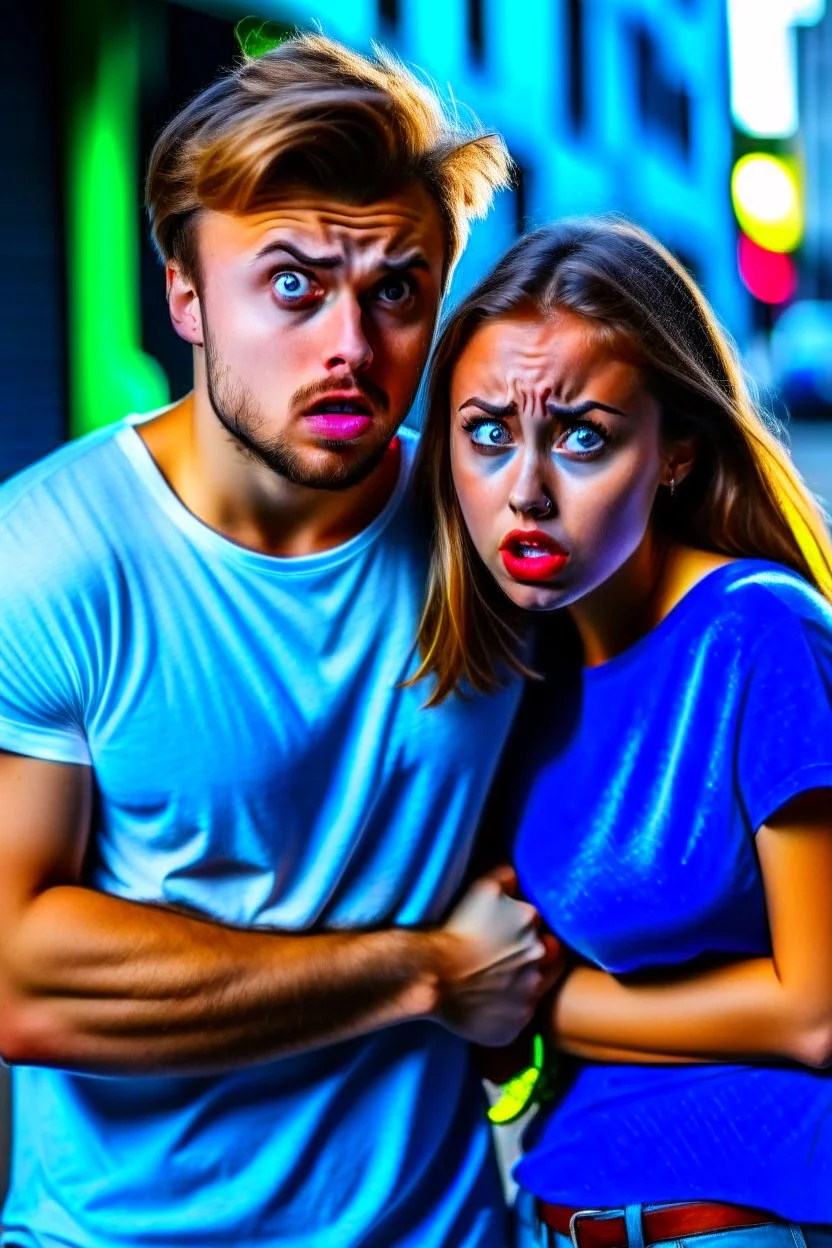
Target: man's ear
<point>183,304</point>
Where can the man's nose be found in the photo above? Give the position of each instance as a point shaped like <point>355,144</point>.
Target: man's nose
<point>347,344</point>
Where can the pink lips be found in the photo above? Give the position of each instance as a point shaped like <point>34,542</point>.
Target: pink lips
<point>531,555</point>
<point>327,421</point>
<point>335,425</point>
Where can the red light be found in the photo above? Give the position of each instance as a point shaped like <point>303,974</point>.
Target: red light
<point>771,276</point>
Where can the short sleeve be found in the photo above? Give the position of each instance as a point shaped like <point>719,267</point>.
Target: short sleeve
<point>785,726</point>
<point>41,691</point>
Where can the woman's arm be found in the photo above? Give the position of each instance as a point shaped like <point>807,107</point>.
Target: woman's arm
<point>774,1008</point>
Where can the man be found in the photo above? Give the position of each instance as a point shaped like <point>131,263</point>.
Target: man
<point>228,835</point>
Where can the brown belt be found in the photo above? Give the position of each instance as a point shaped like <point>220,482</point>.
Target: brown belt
<point>664,1222</point>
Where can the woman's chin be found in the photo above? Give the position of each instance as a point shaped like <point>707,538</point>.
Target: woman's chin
<point>542,597</point>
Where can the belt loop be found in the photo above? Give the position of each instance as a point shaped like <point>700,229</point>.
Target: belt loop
<point>635,1231</point>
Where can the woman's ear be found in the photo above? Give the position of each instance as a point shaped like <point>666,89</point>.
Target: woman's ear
<point>679,459</point>
<point>183,305</point>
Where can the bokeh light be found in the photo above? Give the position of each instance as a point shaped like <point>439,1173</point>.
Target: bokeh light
<point>770,276</point>
<point>766,198</point>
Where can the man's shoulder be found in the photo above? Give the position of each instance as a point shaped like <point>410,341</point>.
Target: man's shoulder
<point>69,470</point>
<point>54,520</point>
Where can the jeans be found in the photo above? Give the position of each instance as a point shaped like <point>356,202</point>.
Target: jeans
<point>779,1235</point>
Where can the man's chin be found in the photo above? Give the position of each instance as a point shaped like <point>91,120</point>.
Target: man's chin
<point>333,465</point>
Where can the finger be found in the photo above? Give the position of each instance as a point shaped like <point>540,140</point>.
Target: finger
<point>531,921</point>
<point>553,948</point>
<point>505,876</point>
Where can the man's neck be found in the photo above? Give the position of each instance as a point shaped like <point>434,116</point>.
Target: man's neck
<point>231,492</point>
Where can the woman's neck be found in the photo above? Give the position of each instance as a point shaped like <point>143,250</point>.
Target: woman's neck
<point>640,594</point>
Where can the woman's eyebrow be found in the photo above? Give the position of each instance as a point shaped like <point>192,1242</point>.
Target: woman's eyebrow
<point>554,409</point>
<point>491,409</point>
<point>580,409</point>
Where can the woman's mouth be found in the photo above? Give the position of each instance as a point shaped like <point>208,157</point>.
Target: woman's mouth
<point>530,555</point>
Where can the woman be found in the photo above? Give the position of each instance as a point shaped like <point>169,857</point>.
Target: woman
<point>591,451</point>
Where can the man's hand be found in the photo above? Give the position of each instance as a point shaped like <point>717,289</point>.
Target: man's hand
<point>495,966</point>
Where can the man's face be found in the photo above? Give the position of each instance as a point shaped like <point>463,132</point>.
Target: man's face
<point>316,317</point>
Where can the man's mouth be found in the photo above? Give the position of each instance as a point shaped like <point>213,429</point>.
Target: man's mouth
<point>339,418</point>
<point>531,555</point>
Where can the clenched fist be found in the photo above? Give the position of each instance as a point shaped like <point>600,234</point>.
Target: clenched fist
<point>494,966</point>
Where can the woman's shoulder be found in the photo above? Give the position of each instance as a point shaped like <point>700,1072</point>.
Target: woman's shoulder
<point>761,595</point>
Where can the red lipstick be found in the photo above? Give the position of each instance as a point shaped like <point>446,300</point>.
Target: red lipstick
<point>531,555</point>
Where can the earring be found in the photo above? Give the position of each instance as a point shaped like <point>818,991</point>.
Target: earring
<point>672,486</point>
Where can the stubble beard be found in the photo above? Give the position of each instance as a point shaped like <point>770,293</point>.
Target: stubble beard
<point>236,409</point>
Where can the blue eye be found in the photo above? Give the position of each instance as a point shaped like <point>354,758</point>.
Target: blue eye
<point>395,291</point>
<point>490,434</point>
<point>582,440</point>
<point>292,286</point>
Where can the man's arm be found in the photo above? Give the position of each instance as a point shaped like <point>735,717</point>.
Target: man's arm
<point>92,982</point>
<point>776,1008</point>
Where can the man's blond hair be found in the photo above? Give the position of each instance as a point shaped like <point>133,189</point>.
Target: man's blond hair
<point>317,114</point>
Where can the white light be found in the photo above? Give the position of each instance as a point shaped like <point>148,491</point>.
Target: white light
<point>807,12</point>
<point>763,66</point>
<point>764,62</point>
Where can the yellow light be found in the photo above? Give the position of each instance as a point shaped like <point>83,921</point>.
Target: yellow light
<point>766,199</point>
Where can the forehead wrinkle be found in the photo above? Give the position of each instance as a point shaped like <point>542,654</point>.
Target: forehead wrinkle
<point>531,362</point>
<point>371,246</point>
<point>314,216</point>
<point>529,384</point>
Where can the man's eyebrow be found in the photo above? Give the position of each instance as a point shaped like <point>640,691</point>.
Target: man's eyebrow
<point>315,262</point>
<point>491,409</point>
<point>580,409</point>
<point>414,261</point>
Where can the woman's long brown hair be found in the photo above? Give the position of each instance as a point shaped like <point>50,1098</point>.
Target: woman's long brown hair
<point>744,496</point>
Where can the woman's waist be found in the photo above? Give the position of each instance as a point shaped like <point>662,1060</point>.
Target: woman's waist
<point>747,1134</point>
<point>621,1089</point>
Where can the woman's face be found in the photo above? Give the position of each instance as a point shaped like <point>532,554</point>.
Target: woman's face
<point>556,455</point>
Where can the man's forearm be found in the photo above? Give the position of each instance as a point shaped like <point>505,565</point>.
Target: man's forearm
<point>94,982</point>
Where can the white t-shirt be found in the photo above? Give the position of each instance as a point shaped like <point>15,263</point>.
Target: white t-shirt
<point>256,761</point>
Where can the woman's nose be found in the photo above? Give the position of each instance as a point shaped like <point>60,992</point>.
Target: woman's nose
<point>530,496</point>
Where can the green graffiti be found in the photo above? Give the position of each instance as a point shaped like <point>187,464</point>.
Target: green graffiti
<point>256,36</point>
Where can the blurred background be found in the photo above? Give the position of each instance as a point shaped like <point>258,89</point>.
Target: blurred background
<point>707,121</point>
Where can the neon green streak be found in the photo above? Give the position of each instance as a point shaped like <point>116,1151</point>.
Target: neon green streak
<point>519,1093</point>
<point>110,375</point>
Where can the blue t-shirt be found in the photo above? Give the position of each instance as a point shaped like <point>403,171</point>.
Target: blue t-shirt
<point>255,760</point>
<point>644,782</point>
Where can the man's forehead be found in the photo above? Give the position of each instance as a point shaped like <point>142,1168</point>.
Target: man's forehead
<point>392,225</point>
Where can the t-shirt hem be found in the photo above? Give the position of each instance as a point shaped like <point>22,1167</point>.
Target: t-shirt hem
<point>51,747</point>
<point>812,776</point>
<point>22,1239</point>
